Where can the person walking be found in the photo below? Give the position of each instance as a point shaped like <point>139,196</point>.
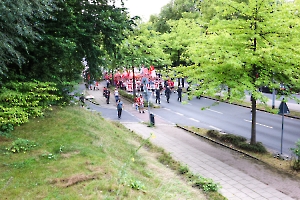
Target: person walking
<point>107,95</point>
<point>157,96</point>
<point>116,93</point>
<point>104,91</point>
<point>119,108</point>
<point>160,88</point>
<point>82,100</point>
<point>141,103</point>
<point>179,93</point>
<point>136,102</point>
<point>168,93</point>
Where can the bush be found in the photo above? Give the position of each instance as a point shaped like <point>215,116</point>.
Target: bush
<point>256,148</point>
<point>213,133</point>
<point>296,160</point>
<point>206,184</point>
<point>21,145</point>
<point>233,139</point>
<point>183,169</point>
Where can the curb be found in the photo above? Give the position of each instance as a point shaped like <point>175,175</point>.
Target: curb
<point>217,142</point>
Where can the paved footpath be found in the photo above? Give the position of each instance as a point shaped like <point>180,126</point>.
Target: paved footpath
<point>188,149</point>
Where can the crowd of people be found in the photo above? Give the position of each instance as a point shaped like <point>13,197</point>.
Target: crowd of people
<point>145,80</point>
<point>139,98</point>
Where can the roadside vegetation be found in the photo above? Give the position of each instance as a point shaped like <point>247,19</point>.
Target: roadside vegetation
<point>73,153</point>
<point>290,165</point>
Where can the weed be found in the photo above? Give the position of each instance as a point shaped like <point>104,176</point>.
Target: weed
<point>137,185</point>
<point>49,156</point>
<point>183,169</point>
<point>206,184</point>
<point>21,145</point>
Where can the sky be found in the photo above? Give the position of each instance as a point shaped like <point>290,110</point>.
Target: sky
<point>144,8</point>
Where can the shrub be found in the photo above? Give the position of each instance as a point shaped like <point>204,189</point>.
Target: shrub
<point>21,145</point>
<point>183,169</point>
<point>213,133</point>
<point>256,148</point>
<point>233,139</point>
<point>206,184</point>
<point>296,160</point>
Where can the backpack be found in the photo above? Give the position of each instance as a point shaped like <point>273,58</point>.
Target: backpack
<point>119,105</point>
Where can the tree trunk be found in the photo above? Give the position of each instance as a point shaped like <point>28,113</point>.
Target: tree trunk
<point>178,82</point>
<point>253,125</point>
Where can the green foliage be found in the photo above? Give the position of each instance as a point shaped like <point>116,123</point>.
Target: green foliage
<point>49,156</point>
<point>143,47</point>
<point>241,48</point>
<point>206,184</point>
<point>21,145</point>
<point>18,28</point>
<point>21,100</point>
<point>183,169</point>
<point>176,42</point>
<point>237,141</point>
<point>174,10</point>
<point>258,147</point>
<point>233,139</point>
<point>167,160</point>
<point>5,130</point>
<point>137,185</point>
<point>296,152</point>
<point>213,133</point>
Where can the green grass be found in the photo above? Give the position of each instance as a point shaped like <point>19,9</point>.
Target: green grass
<point>79,155</point>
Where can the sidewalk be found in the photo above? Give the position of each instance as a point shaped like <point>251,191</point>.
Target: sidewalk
<point>200,157</point>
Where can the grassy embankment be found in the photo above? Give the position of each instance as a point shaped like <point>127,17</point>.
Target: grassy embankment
<point>74,153</point>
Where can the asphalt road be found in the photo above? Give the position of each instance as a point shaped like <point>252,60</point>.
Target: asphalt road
<point>231,119</point>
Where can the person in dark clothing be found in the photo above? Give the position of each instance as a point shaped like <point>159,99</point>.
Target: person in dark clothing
<point>160,88</point>
<point>82,100</point>
<point>157,95</point>
<point>179,92</point>
<point>119,108</point>
<point>168,93</point>
<point>107,95</point>
<point>104,91</point>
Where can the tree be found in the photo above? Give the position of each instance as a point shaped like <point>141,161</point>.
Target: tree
<point>18,28</point>
<point>178,39</point>
<point>247,45</point>
<point>173,11</point>
<point>78,29</point>
<point>143,47</point>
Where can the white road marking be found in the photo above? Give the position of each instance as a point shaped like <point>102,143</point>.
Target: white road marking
<point>167,109</point>
<point>215,111</point>
<point>218,129</point>
<point>258,123</point>
<point>179,113</point>
<point>194,119</point>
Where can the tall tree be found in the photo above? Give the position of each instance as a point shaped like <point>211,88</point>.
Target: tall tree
<point>78,29</point>
<point>174,10</point>
<point>247,45</point>
<point>143,47</point>
<point>18,28</point>
<point>183,33</point>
